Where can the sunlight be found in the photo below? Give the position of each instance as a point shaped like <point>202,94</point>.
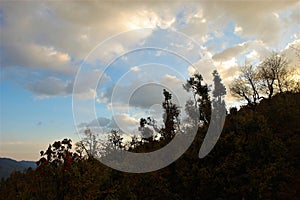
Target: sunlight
<point>142,21</point>
<point>148,19</point>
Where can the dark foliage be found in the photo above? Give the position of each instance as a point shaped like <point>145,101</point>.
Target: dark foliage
<point>256,157</point>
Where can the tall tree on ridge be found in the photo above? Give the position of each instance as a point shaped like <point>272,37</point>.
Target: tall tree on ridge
<point>201,98</point>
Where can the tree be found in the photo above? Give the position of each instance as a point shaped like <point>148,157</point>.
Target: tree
<point>116,140</point>
<point>254,158</point>
<point>201,97</point>
<point>170,116</point>
<point>273,73</point>
<point>219,88</point>
<point>57,164</point>
<point>272,76</point>
<point>146,131</point>
<point>193,113</point>
<point>58,154</point>
<point>90,143</point>
<point>218,95</point>
<point>246,85</point>
<point>218,115</point>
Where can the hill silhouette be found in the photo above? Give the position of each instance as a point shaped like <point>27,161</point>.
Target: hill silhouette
<point>256,157</point>
<point>7,166</point>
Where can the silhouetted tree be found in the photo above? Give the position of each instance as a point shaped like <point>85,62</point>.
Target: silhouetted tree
<point>57,164</point>
<point>201,97</point>
<point>146,130</point>
<point>90,143</point>
<point>272,73</point>
<point>219,88</point>
<point>272,76</point>
<point>254,158</point>
<point>116,139</point>
<point>246,86</point>
<point>170,116</point>
<point>219,93</point>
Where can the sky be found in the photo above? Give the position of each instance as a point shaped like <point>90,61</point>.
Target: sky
<point>66,65</point>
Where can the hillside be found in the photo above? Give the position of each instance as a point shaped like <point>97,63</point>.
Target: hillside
<point>7,166</point>
<point>256,157</point>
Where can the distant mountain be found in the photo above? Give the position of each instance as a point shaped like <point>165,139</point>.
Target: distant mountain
<point>7,166</point>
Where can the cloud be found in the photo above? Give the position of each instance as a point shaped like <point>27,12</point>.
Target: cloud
<point>292,52</point>
<point>47,38</point>
<point>133,96</point>
<point>24,38</point>
<point>49,26</point>
<point>125,120</point>
<point>255,19</point>
<point>253,50</point>
<point>86,83</point>
<point>204,67</point>
<point>122,121</point>
<point>258,51</point>
<point>142,98</point>
<point>193,22</point>
<point>170,80</point>
<point>229,53</point>
<point>135,68</point>
<point>87,94</point>
<point>48,87</point>
<point>125,123</point>
<point>33,32</point>
<point>258,46</point>
<point>100,121</point>
<point>139,93</point>
<point>34,56</point>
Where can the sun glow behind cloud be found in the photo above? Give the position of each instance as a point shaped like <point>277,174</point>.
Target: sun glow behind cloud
<point>148,19</point>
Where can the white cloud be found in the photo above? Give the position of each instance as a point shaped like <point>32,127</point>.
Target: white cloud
<point>256,19</point>
<point>292,52</point>
<point>191,70</point>
<point>205,67</point>
<point>252,57</point>
<point>35,56</point>
<point>149,19</point>
<point>86,83</point>
<point>124,122</point>
<point>121,121</point>
<point>226,64</point>
<point>126,119</point>
<point>102,98</point>
<point>238,30</point>
<point>229,53</point>
<point>170,80</point>
<point>85,95</point>
<point>258,46</point>
<point>47,36</point>
<point>51,24</point>
<point>135,68</point>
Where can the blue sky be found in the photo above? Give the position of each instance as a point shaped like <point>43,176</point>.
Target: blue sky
<point>46,47</point>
